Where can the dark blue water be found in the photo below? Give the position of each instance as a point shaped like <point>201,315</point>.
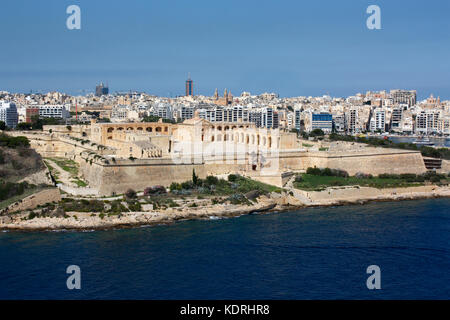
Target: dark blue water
<point>314,253</point>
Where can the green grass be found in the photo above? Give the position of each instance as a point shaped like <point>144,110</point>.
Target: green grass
<point>67,165</point>
<point>246,185</point>
<point>307,145</point>
<point>323,149</point>
<point>79,183</point>
<point>318,183</point>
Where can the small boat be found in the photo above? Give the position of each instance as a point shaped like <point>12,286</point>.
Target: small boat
<point>423,141</point>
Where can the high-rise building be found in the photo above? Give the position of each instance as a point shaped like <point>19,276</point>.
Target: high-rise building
<point>323,121</point>
<point>101,90</point>
<point>297,113</point>
<point>189,87</point>
<point>396,118</point>
<point>8,114</point>
<point>404,96</point>
<point>378,120</point>
<point>351,121</point>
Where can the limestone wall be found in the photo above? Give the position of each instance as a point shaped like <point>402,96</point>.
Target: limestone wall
<point>373,162</point>
<point>39,198</point>
<point>445,166</point>
<point>137,175</point>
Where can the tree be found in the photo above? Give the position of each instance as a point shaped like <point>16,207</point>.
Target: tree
<point>23,126</point>
<point>2,125</point>
<point>317,133</point>
<point>150,118</point>
<point>194,178</point>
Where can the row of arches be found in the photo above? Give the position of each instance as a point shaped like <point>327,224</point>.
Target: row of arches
<point>162,129</point>
<point>229,127</point>
<point>250,139</point>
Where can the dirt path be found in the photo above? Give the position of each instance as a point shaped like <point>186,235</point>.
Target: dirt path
<point>67,185</point>
<point>63,176</point>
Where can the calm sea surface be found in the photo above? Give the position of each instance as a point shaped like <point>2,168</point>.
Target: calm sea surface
<point>314,253</point>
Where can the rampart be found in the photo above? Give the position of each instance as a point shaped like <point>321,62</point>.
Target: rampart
<point>110,174</point>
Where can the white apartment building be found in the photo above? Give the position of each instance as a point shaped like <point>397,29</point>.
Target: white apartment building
<point>427,122</point>
<point>378,120</point>
<point>297,116</point>
<point>54,111</point>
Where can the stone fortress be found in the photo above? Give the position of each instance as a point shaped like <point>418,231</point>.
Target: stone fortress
<point>114,157</point>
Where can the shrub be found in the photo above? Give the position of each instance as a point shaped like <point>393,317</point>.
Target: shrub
<point>232,177</point>
<point>313,171</point>
<point>32,215</point>
<point>326,172</point>
<point>154,190</point>
<point>339,173</point>
<point>13,142</point>
<point>211,180</point>
<point>134,206</point>
<point>187,185</point>
<point>435,178</point>
<point>130,194</point>
<point>362,175</point>
<point>175,186</point>
<point>317,133</point>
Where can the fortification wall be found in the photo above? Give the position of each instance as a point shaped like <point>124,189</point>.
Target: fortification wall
<point>375,163</point>
<point>122,174</point>
<point>39,198</point>
<point>445,166</point>
<point>137,175</point>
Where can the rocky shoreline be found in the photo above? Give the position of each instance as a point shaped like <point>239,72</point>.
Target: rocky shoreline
<point>78,221</point>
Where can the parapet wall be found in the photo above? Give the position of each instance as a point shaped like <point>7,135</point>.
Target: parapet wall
<point>373,162</point>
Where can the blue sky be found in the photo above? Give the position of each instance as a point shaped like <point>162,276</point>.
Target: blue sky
<point>289,47</point>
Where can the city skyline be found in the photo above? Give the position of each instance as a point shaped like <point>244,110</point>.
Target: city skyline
<point>307,49</point>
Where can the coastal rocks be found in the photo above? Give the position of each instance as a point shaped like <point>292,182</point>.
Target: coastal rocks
<point>276,201</point>
<point>251,195</point>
